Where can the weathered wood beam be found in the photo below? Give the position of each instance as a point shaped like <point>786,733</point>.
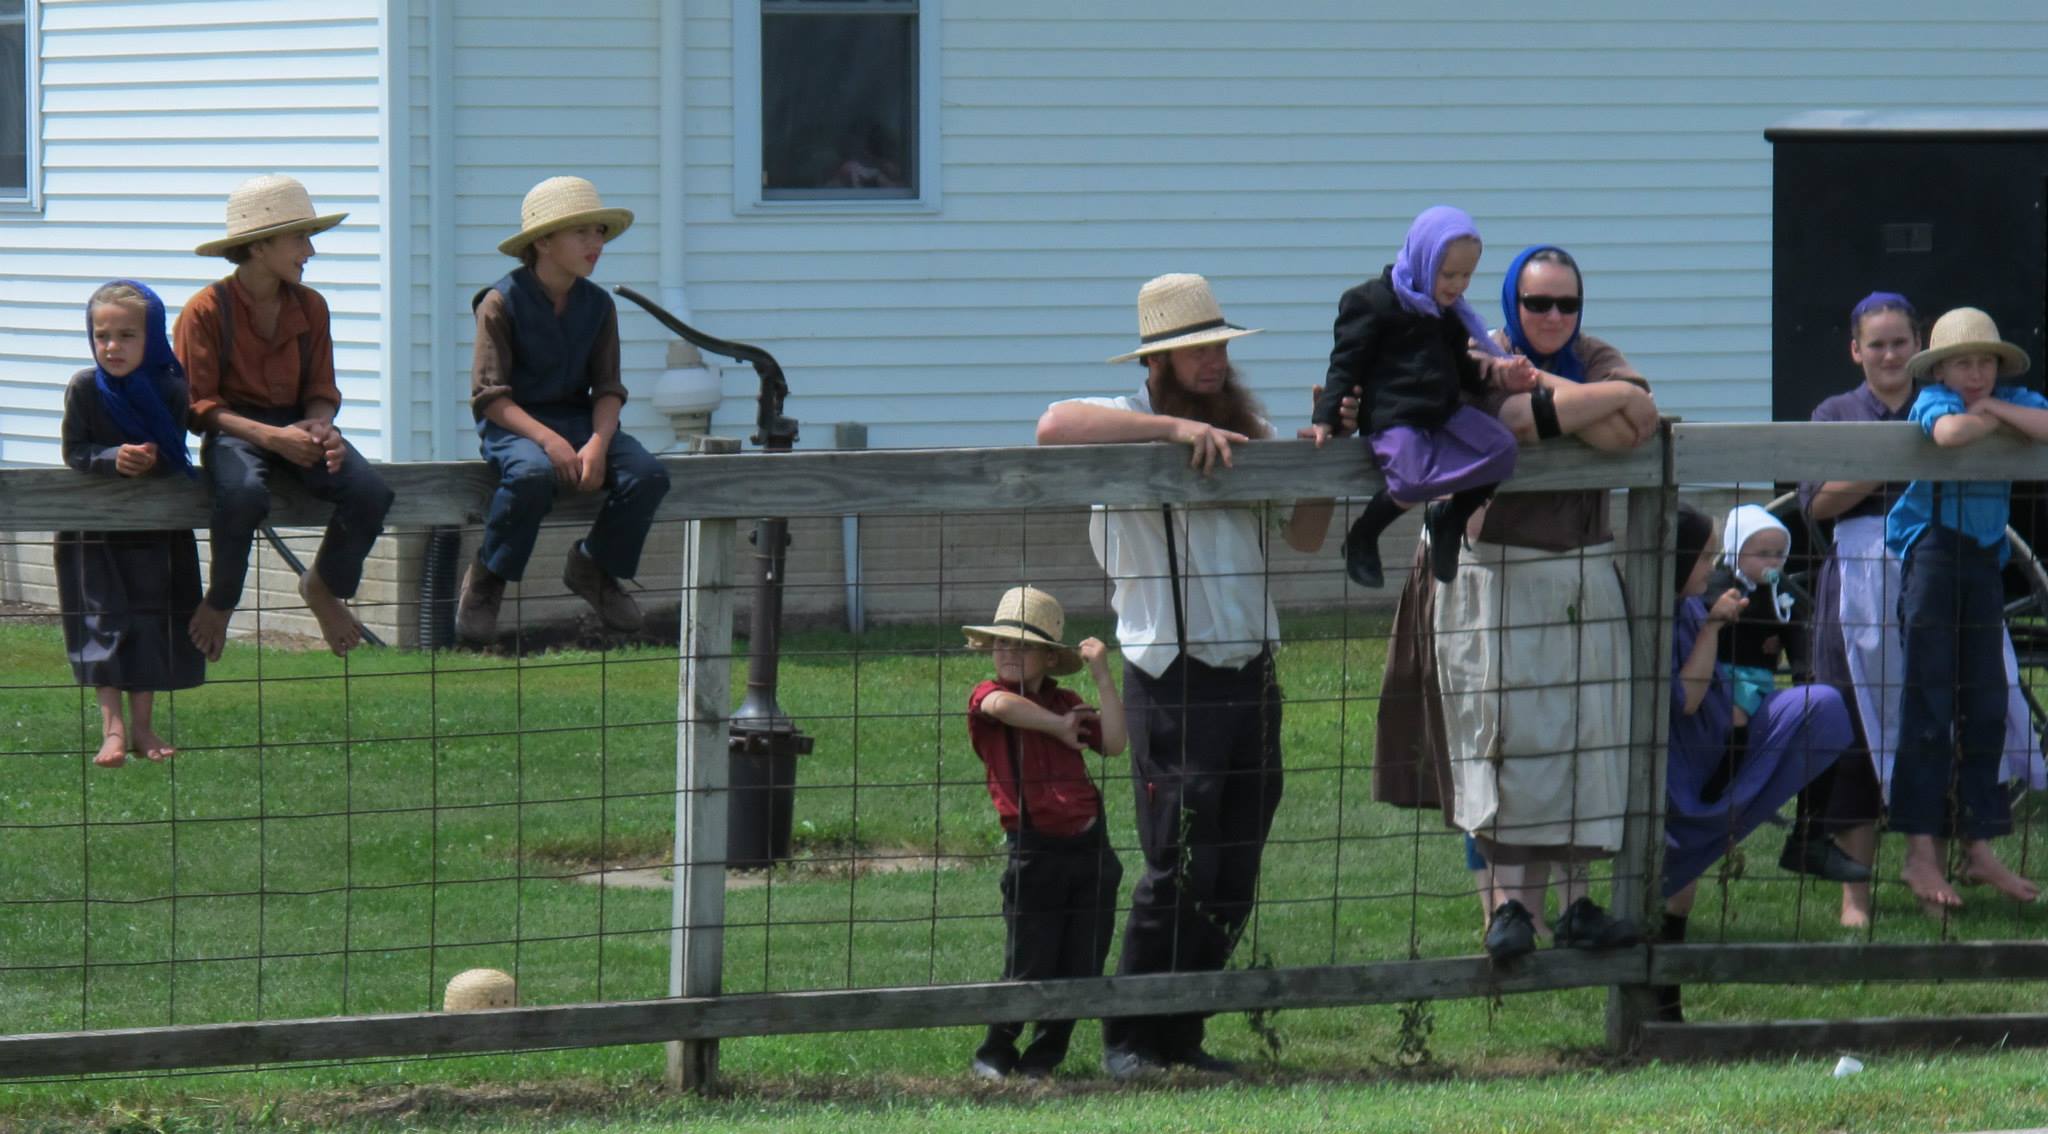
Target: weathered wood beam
<point>1835,964</point>
<point>793,1013</point>
<point>1741,1039</point>
<point>1763,452</point>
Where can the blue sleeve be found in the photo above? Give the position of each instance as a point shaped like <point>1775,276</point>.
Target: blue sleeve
<point>1933,404</point>
<point>2023,397</point>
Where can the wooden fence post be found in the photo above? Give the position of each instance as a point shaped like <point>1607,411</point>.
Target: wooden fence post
<point>1646,571</point>
<point>703,705</point>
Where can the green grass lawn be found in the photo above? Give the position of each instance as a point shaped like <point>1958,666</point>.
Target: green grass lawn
<point>343,837</point>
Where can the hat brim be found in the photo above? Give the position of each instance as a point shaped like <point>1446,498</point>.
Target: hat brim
<point>307,225</point>
<point>1066,659</point>
<point>1192,338</point>
<point>615,222</point>
<point>2012,361</point>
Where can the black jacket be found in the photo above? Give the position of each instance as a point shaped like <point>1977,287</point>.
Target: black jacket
<point>1758,638</point>
<point>1409,368</point>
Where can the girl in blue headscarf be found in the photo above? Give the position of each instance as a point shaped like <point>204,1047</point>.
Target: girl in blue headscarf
<point>126,596</point>
<point>1404,342</point>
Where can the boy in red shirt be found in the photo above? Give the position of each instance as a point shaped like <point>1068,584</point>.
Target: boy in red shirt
<point>1060,885</point>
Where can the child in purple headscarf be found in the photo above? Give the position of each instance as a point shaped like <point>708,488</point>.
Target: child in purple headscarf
<point>126,596</point>
<point>1405,343</point>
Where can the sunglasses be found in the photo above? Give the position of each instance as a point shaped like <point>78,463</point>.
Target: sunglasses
<point>1541,304</point>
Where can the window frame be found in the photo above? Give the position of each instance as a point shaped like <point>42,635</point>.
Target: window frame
<point>31,197</point>
<point>747,194</point>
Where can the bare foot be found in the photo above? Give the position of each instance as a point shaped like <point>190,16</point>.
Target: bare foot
<point>113,750</point>
<point>1981,867</point>
<point>1856,905</point>
<point>209,630</point>
<point>1923,876</point>
<point>337,625</point>
<point>153,746</point>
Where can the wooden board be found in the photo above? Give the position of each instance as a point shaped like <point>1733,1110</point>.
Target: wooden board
<point>792,1013</point>
<point>825,483</point>
<point>1838,964</point>
<point>1738,1039</point>
<point>1764,452</point>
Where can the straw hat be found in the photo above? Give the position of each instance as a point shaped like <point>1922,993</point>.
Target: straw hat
<point>1966,330</point>
<point>1177,311</point>
<point>559,203</point>
<point>1029,615</point>
<point>266,206</point>
<point>474,990</point>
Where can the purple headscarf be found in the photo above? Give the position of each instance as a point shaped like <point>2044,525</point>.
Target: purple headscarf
<point>1878,301</point>
<point>1422,257</point>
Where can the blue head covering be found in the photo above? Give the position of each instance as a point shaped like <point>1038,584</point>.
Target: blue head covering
<point>1565,362</point>
<point>1878,301</point>
<point>135,400</point>
<point>1422,257</point>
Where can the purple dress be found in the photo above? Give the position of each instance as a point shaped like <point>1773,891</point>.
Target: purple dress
<point>1795,735</point>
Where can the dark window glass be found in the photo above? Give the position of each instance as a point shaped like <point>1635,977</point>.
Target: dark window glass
<point>14,108</point>
<point>838,99</point>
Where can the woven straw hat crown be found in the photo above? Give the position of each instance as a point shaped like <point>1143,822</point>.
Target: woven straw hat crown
<point>474,990</point>
<point>1178,310</point>
<point>267,206</point>
<point>559,203</point>
<point>1027,614</point>
<point>1968,330</point>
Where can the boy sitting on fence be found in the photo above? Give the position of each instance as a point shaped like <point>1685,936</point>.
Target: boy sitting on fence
<point>1060,885</point>
<point>1951,537</point>
<point>258,353</point>
<point>546,392</point>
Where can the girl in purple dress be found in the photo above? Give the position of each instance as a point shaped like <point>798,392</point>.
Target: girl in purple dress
<point>1405,343</point>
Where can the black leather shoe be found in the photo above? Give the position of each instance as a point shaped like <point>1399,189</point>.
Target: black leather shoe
<point>1512,933</point>
<point>1362,556</point>
<point>1587,926</point>
<point>1126,1064</point>
<point>993,1062</point>
<point>1199,1060</point>
<point>1444,543</point>
<point>1821,858</point>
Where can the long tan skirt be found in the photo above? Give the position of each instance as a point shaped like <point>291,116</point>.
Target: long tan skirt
<point>1532,656</point>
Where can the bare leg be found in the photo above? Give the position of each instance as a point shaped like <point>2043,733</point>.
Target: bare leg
<point>113,734</point>
<point>141,710</point>
<point>1680,904</point>
<point>1482,884</point>
<point>1981,865</point>
<point>337,625</point>
<point>209,630</point>
<point>1533,890</point>
<point>1925,873</point>
<point>1859,843</point>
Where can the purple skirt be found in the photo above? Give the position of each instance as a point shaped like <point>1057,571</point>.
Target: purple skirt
<point>1469,450</point>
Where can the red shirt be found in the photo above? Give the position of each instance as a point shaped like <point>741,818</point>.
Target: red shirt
<point>1061,796</point>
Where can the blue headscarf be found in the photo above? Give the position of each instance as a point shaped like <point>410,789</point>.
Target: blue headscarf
<point>1422,257</point>
<point>1878,301</point>
<point>135,401</point>
<point>1565,362</point>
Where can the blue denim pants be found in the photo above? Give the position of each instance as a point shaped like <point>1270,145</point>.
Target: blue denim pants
<point>634,483</point>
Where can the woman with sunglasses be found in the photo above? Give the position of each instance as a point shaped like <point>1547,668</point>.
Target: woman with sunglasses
<point>1470,672</point>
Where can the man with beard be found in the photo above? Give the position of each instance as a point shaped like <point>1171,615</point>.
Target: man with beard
<point>1197,627</point>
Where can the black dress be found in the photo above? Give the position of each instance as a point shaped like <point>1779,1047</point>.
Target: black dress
<point>126,596</point>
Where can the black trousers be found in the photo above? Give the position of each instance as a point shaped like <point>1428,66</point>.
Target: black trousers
<point>1205,765</point>
<point>1059,910</point>
<point>240,473</point>
<point>1952,708</point>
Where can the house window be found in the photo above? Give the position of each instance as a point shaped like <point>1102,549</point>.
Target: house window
<point>835,103</point>
<point>17,106</point>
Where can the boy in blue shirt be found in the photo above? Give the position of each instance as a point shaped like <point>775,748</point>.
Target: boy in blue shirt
<point>1951,537</point>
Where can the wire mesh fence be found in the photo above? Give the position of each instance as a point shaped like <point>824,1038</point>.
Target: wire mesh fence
<point>338,837</point>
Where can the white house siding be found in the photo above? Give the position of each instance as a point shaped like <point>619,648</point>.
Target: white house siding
<point>1281,149</point>
<point>152,111</point>
<point>536,88</point>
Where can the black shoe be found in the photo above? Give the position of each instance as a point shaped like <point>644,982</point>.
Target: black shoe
<point>1821,858</point>
<point>1445,541</point>
<point>993,1062</point>
<point>1587,926</point>
<point>1512,933</point>
<point>1199,1060</point>
<point>1127,1064</point>
<point>1362,556</point>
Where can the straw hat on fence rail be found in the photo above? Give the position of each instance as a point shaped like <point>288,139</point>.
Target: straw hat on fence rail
<point>1176,311</point>
<point>267,206</point>
<point>1030,616</point>
<point>1967,330</point>
<point>559,203</point>
<point>474,990</point>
